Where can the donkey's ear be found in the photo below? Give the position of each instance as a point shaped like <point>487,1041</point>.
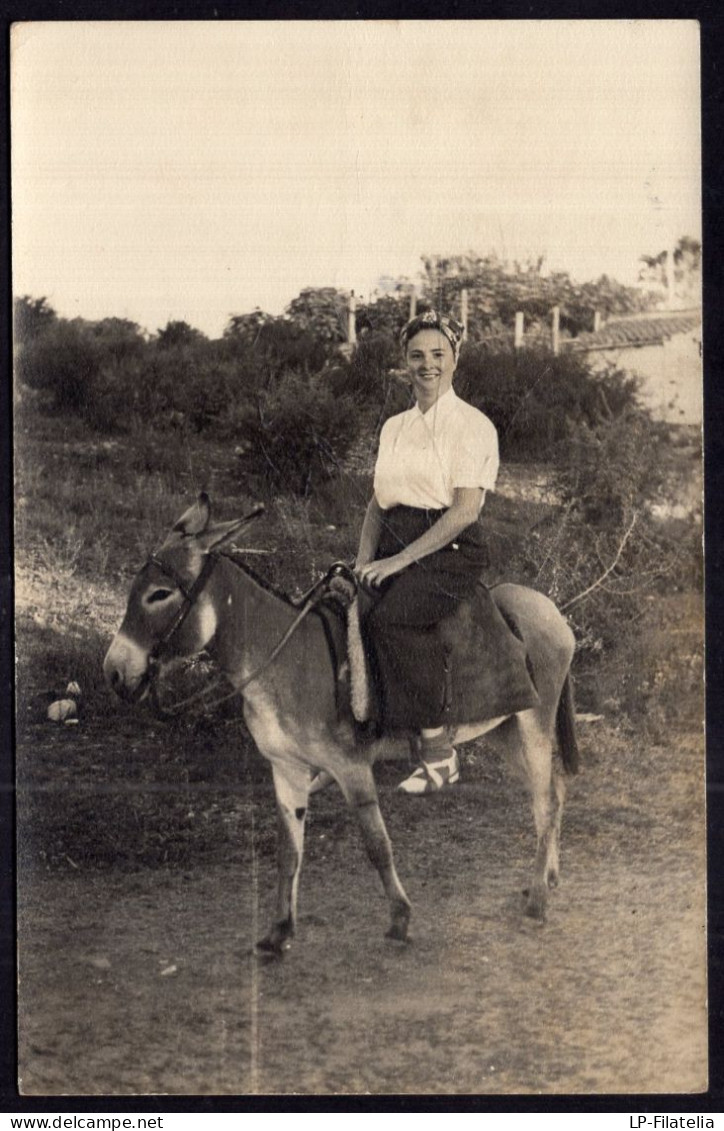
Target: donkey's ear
<point>196,519</point>
<point>221,533</point>
<point>224,532</point>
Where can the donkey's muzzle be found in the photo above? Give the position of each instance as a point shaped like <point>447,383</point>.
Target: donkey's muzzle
<point>126,670</point>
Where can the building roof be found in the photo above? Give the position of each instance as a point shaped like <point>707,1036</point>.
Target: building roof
<point>650,329</point>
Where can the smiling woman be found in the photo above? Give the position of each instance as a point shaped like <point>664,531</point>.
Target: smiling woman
<point>422,549</point>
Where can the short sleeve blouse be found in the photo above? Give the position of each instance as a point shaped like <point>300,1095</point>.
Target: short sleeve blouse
<point>424,457</point>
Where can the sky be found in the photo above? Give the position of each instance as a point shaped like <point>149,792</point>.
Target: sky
<point>195,170</point>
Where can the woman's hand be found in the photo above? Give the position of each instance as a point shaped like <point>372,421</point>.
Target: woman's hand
<point>372,574</point>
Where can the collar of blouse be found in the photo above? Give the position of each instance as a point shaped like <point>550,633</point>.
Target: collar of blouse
<point>436,412</point>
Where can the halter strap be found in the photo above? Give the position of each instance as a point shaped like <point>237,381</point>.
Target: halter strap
<point>190,595</point>
<point>308,603</point>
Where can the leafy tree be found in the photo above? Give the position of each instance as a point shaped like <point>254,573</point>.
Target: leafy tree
<point>118,338</point>
<point>245,328</point>
<point>275,345</point>
<point>176,334</point>
<point>64,362</point>
<point>497,290</point>
<point>687,270</point>
<point>32,316</point>
<point>322,311</point>
<point>385,316</point>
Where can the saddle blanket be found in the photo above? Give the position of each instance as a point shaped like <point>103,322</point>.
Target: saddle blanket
<point>488,674</point>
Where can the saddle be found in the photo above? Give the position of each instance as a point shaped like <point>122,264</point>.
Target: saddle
<point>488,673</point>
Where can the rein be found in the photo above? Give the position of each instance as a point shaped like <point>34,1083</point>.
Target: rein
<point>191,595</point>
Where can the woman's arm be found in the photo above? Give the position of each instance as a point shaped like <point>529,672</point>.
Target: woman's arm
<point>370,534</point>
<point>463,512</point>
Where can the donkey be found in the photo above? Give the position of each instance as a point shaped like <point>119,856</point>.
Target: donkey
<point>189,597</point>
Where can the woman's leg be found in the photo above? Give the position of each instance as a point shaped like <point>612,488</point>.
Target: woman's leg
<point>410,659</point>
<point>412,664</point>
<point>402,628</point>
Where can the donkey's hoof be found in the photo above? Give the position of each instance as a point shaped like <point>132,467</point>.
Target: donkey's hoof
<point>535,906</point>
<point>397,934</point>
<point>552,879</point>
<point>271,950</point>
<point>400,922</point>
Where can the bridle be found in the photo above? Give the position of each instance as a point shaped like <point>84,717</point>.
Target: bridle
<point>191,594</point>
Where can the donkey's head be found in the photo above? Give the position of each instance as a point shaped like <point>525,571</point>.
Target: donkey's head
<point>170,613</point>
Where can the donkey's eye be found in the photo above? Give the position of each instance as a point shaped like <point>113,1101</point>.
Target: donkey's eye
<point>158,595</point>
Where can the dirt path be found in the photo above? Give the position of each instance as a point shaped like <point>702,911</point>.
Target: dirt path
<point>143,983</point>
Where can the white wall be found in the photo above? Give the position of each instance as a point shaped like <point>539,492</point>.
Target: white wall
<point>671,375</point>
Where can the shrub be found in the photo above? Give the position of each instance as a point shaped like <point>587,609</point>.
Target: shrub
<point>32,317</point>
<point>271,346</point>
<point>364,375</point>
<point>63,362</point>
<point>613,468</point>
<point>296,434</point>
<point>539,401</point>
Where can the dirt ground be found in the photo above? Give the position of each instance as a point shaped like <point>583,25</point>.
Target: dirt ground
<point>143,982</point>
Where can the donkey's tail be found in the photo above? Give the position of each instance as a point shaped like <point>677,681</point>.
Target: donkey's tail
<point>566,728</point>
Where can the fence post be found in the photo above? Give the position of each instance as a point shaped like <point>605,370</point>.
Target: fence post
<point>351,327</point>
<point>413,304</point>
<point>596,321</point>
<point>464,312</point>
<point>518,341</point>
<point>556,331</point>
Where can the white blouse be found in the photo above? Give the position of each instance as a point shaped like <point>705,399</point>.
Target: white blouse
<point>423,457</point>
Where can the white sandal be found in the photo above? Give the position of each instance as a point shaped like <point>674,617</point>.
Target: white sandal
<point>429,777</point>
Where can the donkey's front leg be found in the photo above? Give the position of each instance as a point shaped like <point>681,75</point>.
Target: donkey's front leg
<point>291,784</point>
<point>358,786</point>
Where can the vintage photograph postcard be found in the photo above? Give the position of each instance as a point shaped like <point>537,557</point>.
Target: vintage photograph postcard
<point>357,419</point>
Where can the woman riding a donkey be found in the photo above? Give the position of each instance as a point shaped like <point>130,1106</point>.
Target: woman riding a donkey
<point>446,663</point>
<point>422,552</point>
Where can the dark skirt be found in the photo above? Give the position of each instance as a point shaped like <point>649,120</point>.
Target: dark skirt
<point>410,661</point>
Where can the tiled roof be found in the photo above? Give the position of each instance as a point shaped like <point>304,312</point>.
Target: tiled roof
<point>643,330</point>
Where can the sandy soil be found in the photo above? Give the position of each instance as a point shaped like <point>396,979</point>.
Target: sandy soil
<point>143,982</point>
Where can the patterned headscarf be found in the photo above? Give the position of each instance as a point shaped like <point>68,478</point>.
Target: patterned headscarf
<point>431,320</point>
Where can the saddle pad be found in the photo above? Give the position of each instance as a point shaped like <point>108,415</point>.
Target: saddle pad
<point>489,674</point>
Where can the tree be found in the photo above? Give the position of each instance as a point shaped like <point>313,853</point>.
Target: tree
<point>322,311</point>
<point>497,290</point>
<point>176,334</point>
<point>120,340</point>
<point>246,328</point>
<point>64,361</point>
<point>274,345</point>
<point>654,271</point>
<point>32,316</point>
<point>386,316</point>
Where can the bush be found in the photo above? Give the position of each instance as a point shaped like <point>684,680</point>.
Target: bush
<point>613,468</point>
<point>363,376</point>
<point>297,433</point>
<point>271,346</point>
<point>606,561</point>
<point>539,401</point>
<point>32,317</point>
<point>64,362</point>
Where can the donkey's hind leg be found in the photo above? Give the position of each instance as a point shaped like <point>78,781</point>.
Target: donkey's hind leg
<point>360,790</point>
<point>537,754</point>
<point>559,797</point>
<point>291,785</point>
